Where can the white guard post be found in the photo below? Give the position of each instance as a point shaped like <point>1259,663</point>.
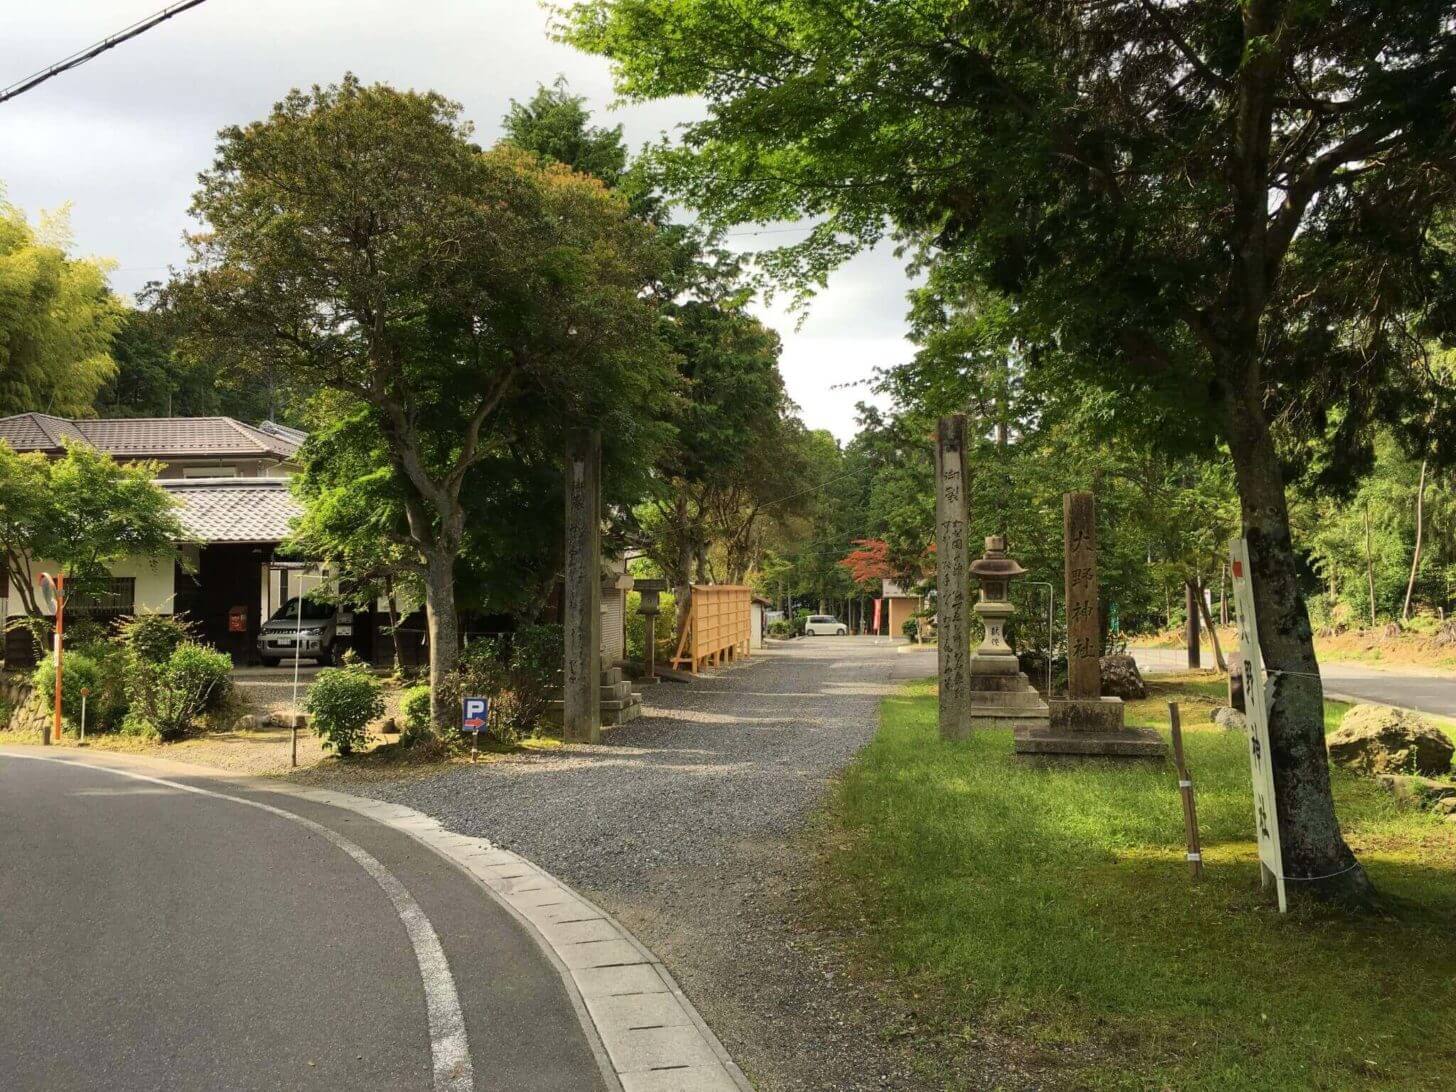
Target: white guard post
<point>1256,711</point>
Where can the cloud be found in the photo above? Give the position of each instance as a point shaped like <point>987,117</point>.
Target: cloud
<point>123,137</point>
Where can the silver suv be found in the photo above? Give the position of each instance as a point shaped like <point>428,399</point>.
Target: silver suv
<point>311,637</point>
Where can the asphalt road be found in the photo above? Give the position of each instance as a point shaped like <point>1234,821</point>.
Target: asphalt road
<point>1410,688</point>
<point>159,938</point>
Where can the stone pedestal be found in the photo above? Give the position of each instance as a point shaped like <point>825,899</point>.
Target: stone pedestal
<point>615,699</point>
<point>1001,696</point>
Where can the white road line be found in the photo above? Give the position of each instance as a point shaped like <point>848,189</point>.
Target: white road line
<point>449,1049</point>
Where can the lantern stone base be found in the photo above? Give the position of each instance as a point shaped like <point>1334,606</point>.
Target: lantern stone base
<point>1090,728</point>
<point>619,703</point>
<point>1006,701</point>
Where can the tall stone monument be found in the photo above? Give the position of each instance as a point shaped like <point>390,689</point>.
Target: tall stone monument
<point>1086,723</point>
<point>581,720</point>
<point>951,577</point>
<point>1001,695</point>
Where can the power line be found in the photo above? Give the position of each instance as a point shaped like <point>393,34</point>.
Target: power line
<point>80,57</point>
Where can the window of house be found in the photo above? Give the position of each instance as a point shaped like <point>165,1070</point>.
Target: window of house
<point>209,472</point>
<point>116,594</point>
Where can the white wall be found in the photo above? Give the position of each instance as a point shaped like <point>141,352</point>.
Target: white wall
<point>155,583</point>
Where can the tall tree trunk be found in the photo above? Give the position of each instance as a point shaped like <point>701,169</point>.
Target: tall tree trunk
<point>444,629</point>
<point>1212,629</point>
<point>1316,859</point>
<point>1369,566</point>
<point>1191,597</point>
<point>1410,585</point>
<point>396,638</point>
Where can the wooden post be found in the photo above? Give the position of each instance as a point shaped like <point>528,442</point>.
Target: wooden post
<point>1369,566</point>
<point>582,671</point>
<point>1185,790</point>
<point>952,577</point>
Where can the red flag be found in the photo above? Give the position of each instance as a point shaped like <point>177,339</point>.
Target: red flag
<point>877,614</point>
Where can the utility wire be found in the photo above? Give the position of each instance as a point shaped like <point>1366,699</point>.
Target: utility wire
<point>80,57</point>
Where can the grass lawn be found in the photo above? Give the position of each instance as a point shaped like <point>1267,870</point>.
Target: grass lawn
<point>1052,910</point>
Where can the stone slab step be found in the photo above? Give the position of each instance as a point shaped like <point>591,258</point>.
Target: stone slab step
<point>615,717</point>
<point>1126,743</point>
<point>616,692</point>
<point>1019,701</point>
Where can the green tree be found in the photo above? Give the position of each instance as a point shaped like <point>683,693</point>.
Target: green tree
<point>57,319</point>
<point>1224,213</point>
<point>556,125</point>
<point>353,514</point>
<point>80,513</point>
<point>453,293</point>
<point>737,435</point>
<point>155,378</point>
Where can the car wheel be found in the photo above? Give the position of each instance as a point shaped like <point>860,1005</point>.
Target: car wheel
<point>843,632</point>
<point>270,661</point>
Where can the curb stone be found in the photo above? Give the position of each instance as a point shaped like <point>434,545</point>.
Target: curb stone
<point>645,1033</point>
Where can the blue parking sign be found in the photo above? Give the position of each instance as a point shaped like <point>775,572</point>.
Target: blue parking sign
<point>475,714</point>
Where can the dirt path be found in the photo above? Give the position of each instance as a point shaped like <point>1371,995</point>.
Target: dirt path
<point>687,825</point>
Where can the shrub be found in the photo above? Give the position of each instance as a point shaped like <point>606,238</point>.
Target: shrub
<point>414,708</point>
<point>167,697</point>
<point>910,627</point>
<point>153,638</point>
<point>341,703</point>
<point>781,628</point>
<point>77,671</point>
<point>204,670</point>
<point>107,706</point>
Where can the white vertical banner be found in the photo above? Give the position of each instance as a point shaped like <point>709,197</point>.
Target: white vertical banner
<point>1256,711</point>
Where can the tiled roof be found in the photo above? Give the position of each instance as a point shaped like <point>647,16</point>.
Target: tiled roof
<point>234,509</point>
<point>151,437</point>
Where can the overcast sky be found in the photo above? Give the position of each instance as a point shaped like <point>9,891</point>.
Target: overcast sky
<point>123,137</point>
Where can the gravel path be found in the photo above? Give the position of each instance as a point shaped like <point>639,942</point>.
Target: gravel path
<point>684,825</point>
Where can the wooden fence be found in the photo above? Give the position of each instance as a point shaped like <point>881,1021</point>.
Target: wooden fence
<point>720,621</point>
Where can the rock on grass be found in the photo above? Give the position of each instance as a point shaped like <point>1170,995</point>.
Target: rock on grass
<point>1377,739</point>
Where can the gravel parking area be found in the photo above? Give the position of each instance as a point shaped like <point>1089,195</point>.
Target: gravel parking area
<point>687,825</point>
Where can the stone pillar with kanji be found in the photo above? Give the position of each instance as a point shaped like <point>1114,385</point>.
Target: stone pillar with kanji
<point>1084,630</point>
<point>1084,723</point>
<point>952,579</point>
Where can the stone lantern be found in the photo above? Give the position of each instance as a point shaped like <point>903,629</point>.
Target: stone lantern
<point>1001,695</point>
<point>995,571</point>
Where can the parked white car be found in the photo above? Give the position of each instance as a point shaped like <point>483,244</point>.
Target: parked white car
<point>824,625</point>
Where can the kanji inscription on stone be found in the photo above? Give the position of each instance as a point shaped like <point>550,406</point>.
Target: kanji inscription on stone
<point>1084,630</point>
<point>952,578</point>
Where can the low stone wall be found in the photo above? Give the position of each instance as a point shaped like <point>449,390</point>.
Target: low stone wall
<point>26,713</point>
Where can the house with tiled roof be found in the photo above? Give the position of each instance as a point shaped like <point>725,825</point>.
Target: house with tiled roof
<point>230,480</point>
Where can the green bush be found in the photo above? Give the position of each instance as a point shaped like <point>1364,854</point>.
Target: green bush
<point>107,706</point>
<point>77,671</point>
<point>152,638</point>
<point>910,627</point>
<point>203,669</point>
<point>341,703</point>
<point>166,698</point>
<point>781,628</point>
<point>414,708</point>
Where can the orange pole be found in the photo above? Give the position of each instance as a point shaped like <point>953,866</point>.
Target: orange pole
<point>60,638</point>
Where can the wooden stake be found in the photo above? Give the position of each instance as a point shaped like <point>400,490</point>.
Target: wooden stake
<point>1185,790</point>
